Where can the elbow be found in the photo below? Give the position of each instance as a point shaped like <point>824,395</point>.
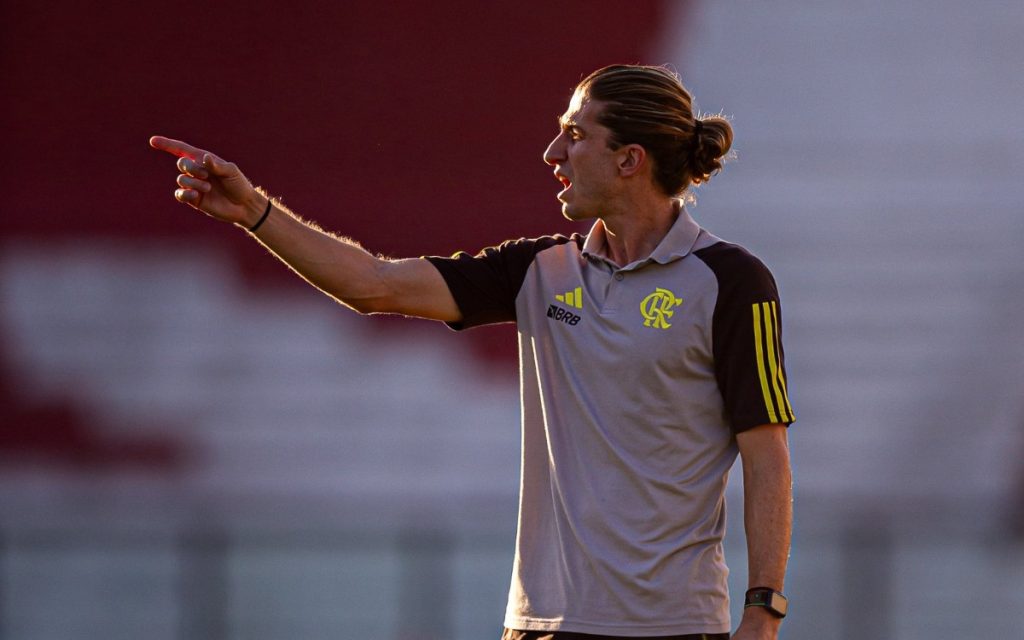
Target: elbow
<point>372,295</point>
<point>366,306</point>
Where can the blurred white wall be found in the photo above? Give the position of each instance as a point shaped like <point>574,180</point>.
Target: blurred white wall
<point>878,172</point>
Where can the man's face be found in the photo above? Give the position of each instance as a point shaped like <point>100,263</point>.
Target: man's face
<point>583,162</point>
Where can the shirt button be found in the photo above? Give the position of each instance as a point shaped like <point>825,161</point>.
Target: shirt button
<point>619,277</point>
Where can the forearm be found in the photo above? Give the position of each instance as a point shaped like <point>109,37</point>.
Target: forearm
<point>768,520</point>
<point>337,266</point>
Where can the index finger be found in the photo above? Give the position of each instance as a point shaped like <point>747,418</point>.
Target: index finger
<point>176,147</point>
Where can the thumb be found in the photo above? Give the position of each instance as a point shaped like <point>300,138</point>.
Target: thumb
<point>217,166</point>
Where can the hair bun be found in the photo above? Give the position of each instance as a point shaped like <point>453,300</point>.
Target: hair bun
<point>710,143</point>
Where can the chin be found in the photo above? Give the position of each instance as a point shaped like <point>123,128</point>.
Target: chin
<point>575,213</point>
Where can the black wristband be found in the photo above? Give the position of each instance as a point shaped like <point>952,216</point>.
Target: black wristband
<point>770,599</point>
<point>266,212</point>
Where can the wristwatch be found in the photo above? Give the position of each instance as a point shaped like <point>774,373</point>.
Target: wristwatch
<point>770,599</point>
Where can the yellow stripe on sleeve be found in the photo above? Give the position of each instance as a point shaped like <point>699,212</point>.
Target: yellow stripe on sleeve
<point>779,375</point>
<point>770,331</point>
<point>759,352</point>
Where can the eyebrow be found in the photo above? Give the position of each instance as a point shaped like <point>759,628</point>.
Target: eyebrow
<point>568,123</point>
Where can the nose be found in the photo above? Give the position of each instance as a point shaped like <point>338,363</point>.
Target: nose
<point>555,153</point>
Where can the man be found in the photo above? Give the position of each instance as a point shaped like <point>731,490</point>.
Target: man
<point>651,354</point>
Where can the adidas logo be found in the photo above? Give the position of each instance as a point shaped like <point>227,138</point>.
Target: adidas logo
<point>572,298</point>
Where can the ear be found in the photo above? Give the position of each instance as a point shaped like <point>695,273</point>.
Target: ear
<point>631,159</point>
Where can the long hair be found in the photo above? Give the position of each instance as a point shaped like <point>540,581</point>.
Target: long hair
<point>649,106</point>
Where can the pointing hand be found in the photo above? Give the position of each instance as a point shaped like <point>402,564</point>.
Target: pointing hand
<point>212,185</point>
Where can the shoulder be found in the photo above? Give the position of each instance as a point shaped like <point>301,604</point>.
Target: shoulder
<point>509,256</point>
<point>485,285</point>
<point>738,271</point>
<point>730,260</point>
<point>536,245</point>
<point>522,248</point>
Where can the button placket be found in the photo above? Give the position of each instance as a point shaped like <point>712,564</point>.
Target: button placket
<point>615,286</point>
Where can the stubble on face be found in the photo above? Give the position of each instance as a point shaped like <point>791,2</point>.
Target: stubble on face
<point>588,160</point>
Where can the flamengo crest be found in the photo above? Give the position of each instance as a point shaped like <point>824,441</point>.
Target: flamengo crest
<point>657,308</point>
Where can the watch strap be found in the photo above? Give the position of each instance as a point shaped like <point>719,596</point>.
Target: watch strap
<point>769,598</point>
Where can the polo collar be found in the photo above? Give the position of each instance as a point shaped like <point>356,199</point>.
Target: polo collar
<point>676,244</point>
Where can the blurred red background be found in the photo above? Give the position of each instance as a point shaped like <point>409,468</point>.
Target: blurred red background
<point>412,127</point>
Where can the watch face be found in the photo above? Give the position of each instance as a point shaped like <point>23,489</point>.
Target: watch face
<point>769,599</point>
<point>779,603</point>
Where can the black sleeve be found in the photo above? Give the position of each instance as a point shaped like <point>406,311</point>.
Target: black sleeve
<point>485,286</point>
<point>747,339</point>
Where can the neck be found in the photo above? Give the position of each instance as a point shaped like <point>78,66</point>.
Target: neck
<point>634,233</point>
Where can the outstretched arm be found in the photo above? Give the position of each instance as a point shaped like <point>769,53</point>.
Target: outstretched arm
<point>337,266</point>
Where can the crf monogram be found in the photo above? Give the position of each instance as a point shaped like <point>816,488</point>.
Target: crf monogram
<point>657,308</point>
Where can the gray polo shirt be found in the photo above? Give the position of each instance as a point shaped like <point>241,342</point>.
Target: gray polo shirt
<point>635,380</point>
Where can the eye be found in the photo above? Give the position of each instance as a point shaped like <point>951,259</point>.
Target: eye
<point>574,133</point>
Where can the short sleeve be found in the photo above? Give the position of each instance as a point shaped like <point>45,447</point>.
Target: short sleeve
<point>747,339</point>
<point>485,285</point>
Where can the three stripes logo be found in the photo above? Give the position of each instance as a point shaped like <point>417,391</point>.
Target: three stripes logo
<point>572,298</point>
<point>769,369</point>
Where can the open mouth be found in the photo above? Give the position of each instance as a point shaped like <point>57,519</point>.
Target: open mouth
<point>566,185</point>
